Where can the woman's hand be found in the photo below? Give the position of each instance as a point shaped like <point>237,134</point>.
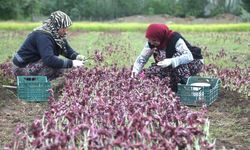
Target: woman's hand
<point>81,57</point>
<point>165,63</point>
<point>77,63</point>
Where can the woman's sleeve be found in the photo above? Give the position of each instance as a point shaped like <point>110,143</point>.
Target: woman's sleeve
<point>142,59</point>
<point>45,48</point>
<point>71,54</point>
<point>186,55</point>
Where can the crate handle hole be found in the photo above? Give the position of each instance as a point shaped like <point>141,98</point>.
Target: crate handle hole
<point>30,78</point>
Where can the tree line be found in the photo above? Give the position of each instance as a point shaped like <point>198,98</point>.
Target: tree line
<point>99,10</point>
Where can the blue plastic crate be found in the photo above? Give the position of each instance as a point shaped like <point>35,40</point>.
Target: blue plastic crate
<point>33,88</point>
<point>191,94</point>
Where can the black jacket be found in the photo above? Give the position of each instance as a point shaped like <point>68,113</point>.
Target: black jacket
<point>41,45</point>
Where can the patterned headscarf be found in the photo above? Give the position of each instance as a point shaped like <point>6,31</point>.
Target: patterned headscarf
<point>161,33</point>
<point>56,20</point>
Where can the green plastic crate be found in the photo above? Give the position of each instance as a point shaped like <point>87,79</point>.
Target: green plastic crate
<point>199,95</point>
<point>33,88</point>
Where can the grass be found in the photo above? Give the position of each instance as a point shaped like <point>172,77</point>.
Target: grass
<point>131,27</point>
<point>235,44</point>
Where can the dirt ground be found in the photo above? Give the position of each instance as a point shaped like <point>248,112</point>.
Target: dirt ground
<point>229,118</point>
<point>13,112</point>
<point>222,18</point>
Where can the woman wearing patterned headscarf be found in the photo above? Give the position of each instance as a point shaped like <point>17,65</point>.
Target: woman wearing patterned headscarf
<point>39,54</point>
<point>174,56</point>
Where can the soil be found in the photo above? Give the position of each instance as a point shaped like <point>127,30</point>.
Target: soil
<point>229,118</point>
<point>222,18</point>
<point>14,112</point>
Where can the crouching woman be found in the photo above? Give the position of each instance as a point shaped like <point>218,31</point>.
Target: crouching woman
<point>39,54</point>
<point>174,56</point>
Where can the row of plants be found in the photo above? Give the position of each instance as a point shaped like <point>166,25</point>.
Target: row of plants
<point>103,108</point>
<point>97,26</point>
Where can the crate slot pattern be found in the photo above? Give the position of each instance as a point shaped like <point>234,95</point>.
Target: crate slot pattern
<point>33,88</point>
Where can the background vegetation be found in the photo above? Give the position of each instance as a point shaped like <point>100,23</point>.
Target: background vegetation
<point>99,10</point>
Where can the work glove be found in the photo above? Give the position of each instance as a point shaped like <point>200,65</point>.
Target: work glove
<point>80,57</point>
<point>165,63</point>
<point>77,63</point>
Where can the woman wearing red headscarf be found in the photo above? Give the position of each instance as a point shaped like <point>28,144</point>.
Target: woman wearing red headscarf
<point>174,56</point>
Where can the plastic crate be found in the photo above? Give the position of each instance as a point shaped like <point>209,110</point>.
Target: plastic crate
<point>33,88</point>
<point>199,95</point>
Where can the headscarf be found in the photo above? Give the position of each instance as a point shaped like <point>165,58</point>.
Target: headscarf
<point>161,33</point>
<point>56,20</point>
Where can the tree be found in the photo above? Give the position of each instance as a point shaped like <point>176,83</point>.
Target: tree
<point>192,7</point>
<point>48,6</point>
<point>9,9</point>
<point>31,8</point>
<point>129,7</point>
<point>110,9</point>
<point>246,5</point>
<point>159,6</point>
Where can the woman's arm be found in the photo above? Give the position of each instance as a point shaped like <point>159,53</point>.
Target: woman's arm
<point>186,55</point>
<point>142,59</point>
<point>71,54</point>
<point>45,46</point>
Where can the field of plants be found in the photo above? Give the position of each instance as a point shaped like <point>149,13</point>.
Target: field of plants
<point>101,107</point>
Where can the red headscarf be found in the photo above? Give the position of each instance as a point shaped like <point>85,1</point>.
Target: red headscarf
<point>159,32</point>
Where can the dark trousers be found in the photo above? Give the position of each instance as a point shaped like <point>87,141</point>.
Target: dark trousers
<point>177,75</point>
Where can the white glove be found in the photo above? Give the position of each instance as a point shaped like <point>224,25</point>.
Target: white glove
<point>77,63</point>
<point>165,63</point>
<point>80,57</point>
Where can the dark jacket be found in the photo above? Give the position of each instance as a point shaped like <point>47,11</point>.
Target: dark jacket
<point>41,45</point>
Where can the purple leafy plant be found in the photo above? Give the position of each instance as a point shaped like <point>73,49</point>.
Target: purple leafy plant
<point>104,108</point>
